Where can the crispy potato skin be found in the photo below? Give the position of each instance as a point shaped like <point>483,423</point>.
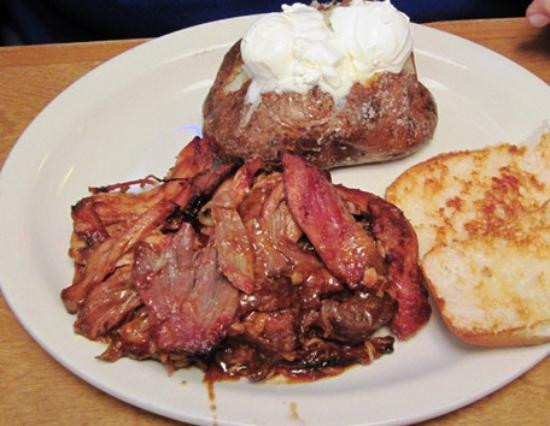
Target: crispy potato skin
<point>389,117</point>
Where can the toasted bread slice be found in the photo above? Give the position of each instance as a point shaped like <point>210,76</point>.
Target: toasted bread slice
<point>495,290</point>
<point>482,217</point>
<point>460,195</point>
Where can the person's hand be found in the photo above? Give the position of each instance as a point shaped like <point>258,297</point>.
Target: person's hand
<point>538,13</point>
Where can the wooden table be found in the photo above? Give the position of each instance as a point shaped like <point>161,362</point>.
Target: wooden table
<point>34,389</point>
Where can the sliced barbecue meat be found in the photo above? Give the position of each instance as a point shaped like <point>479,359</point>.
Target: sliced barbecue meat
<point>279,222</point>
<point>319,355</point>
<point>195,157</point>
<point>269,261</point>
<point>237,359</point>
<point>193,176</point>
<point>108,304</point>
<point>401,246</point>
<point>353,319</point>
<point>106,215</point>
<point>235,254</point>
<point>87,225</point>
<point>275,295</point>
<point>313,279</point>
<point>104,258</point>
<point>252,205</point>
<point>270,227</point>
<point>398,240</point>
<point>272,331</point>
<point>132,339</point>
<point>214,300</point>
<point>205,183</point>
<point>254,274</point>
<point>234,248</point>
<point>189,302</point>
<point>345,247</point>
<point>118,210</point>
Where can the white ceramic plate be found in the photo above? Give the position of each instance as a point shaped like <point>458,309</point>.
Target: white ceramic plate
<point>130,117</point>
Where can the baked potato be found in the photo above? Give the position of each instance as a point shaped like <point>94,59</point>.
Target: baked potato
<point>388,116</point>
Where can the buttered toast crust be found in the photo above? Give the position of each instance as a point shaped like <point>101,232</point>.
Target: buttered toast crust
<point>459,195</point>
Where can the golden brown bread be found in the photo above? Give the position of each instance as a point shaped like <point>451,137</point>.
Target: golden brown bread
<point>459,195</point>
<point>495,290</point>
<point>387,117</point>
<point>483,222</point>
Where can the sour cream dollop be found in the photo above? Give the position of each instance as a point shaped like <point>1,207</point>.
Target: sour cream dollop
<point>303,47</point>
<point>376,35</point>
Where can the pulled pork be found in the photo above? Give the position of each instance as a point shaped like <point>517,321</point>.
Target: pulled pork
<point>243,271</point>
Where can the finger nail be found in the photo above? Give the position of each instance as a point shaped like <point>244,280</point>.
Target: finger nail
<point>538,20</point>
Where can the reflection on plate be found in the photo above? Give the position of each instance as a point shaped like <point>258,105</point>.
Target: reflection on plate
<point>129,118</point>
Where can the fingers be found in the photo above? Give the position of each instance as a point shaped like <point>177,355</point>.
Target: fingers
<point>538,13</point>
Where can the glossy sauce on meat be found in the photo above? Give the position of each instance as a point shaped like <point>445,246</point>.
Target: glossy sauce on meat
<point>251,274</point>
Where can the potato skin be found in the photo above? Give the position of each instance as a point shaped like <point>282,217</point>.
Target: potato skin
<point>388,117</point>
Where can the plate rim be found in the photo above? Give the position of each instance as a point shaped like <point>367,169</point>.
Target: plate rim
<point>24,140</point>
